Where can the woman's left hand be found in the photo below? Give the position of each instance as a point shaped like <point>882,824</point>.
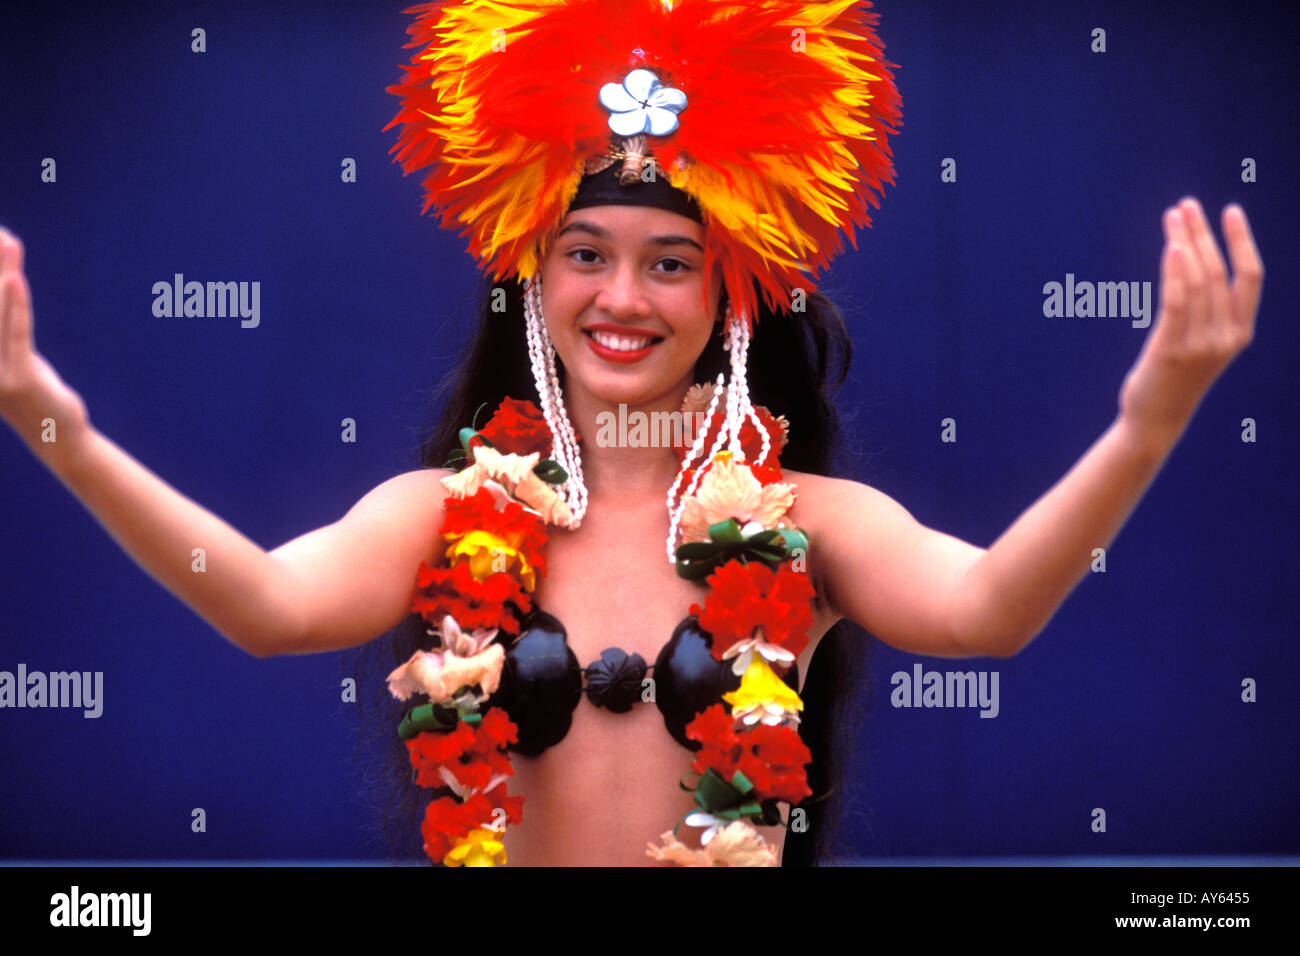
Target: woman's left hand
<point>1202,325</point>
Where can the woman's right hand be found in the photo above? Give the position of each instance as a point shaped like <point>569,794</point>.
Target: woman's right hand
<point>30,390</point>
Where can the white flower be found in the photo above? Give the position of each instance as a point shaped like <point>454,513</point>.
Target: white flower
<point>701,819</point>
<point>641,105</point>
<point>462,660</point>
<point>456,641</point>
<point>743,652</point>
<point>774,715</point>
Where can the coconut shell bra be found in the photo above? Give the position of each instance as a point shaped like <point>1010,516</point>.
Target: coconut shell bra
<point>541,682</point>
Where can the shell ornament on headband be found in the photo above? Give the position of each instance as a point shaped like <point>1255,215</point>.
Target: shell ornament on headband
<point>507,105</point>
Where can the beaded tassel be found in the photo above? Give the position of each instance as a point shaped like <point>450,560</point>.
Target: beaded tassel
<point>739,407</point>
<point>542,353</point>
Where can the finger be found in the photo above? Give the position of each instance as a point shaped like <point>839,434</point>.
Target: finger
<point>1193,277</point>
<point>15,300</point>
<point>1218,305</point>
<point>11,252</point>
<point>1173,297</point>
<point>1247,269</point>
<point>1207,250</point>
<point>15,317</point>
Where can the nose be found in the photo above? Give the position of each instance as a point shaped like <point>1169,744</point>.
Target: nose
<point>623,295</point>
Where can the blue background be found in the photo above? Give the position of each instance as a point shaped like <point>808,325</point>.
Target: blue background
<point>226,165</point>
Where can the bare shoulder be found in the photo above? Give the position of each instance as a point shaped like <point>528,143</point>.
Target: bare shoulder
<point>411,500</point>
<point>835,513</point>
<point>882,569</point>
<point>415,482</point>
<point>819,496</point>
<point>351,579</point>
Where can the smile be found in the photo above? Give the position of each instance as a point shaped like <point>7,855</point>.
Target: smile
<point>621,348</point>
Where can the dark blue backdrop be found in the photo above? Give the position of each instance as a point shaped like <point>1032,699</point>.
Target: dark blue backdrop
<point>226,165</point>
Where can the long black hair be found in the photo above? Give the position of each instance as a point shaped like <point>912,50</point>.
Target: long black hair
<point>791,361</point>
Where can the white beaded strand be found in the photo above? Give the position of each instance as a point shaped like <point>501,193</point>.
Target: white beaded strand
<point>541,352</point>
<point>675,508</point>
<point>736,339</point>
<point>739,363</point>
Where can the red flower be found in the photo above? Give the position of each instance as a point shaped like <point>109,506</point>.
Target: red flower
<point>743,597</point>
<point>496,729</point>
<point>473,754</point>
<point>519,428</point>
<point>771,758</point>
<point>767,474</point>
<point>518,528</point>
<point>475,771</point>
<point>432,749</point>
<point>485,757</point>
<point>445,822</point>
<point>489,603</point>
<point>513,806</point>
<point>713,727</point>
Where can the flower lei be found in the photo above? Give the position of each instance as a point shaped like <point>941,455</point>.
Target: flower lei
<point>757,614</point>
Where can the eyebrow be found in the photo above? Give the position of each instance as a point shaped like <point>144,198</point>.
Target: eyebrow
<point>599,233</point>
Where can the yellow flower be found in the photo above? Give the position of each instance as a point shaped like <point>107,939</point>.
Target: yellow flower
<point>479,847</point>
<point>730,490</point>
<point>485,551</point>
<point>736,844</point>
<point>762,695</point>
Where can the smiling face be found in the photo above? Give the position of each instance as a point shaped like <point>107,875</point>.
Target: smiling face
<point>621,296</point>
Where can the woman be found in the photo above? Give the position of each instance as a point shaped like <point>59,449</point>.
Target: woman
<point>608,269</point>
<point>599,795</point>
<point>610,785</point>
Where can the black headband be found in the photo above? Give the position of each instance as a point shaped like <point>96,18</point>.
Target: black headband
<point>603,189</point>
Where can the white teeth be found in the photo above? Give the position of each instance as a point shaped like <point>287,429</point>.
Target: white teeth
<point>618,342</point>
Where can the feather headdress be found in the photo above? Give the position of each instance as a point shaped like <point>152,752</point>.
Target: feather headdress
<point>773,115</point>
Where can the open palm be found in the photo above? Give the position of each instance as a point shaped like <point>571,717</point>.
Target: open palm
<point>30,390</point>
<point>1203,323</point>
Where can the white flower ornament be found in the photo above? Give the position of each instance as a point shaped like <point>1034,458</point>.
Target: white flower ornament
<point>702,819</point>
<point>640,104</point>
<point>743,652</point>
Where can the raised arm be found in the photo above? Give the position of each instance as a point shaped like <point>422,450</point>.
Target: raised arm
<point>928,593</point>
<point>1203,324</point>
<point>335,587</point>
